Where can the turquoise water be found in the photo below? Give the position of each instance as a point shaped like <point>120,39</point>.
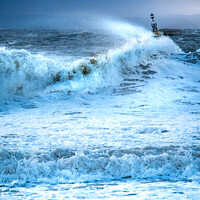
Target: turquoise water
<point>114,115</point>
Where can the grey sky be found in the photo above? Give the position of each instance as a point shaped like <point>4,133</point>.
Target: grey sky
<point>60,13</point>
<point>122,8</point>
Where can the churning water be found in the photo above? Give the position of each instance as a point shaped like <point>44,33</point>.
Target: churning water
<point>112,113</point>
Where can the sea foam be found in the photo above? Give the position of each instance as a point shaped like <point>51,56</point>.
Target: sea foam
<point>26,74</point>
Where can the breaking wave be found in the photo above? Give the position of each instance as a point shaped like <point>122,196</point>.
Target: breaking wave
<point>28,75</point>
<point>61,165</point>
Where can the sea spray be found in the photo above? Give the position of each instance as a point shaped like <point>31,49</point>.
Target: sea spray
<point>26,74</point>
<point>105,114</point>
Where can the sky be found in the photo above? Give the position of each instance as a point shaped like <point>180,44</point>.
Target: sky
<point>118,8</point>
<point>122,8</point>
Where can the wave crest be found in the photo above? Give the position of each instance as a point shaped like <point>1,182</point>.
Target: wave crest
<point>63,165</point>
<point>25,74</point>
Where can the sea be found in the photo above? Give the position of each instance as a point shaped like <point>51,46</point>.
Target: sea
<point>105,113</point>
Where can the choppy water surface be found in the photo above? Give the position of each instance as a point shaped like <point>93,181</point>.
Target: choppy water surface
<point>111,113</point>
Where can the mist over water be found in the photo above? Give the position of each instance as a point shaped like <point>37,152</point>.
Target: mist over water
<point>107,112</point>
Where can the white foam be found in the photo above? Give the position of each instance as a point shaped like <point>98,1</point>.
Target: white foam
<point>65,165</point>
<point>23,73</point>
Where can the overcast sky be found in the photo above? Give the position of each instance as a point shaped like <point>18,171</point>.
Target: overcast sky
<point>121,8</point>
<point>49,13</point>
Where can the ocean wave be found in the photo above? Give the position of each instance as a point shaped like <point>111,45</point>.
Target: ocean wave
<point>26,74</point>
<point>66,165</point>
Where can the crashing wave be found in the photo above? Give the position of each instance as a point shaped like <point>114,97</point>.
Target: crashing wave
<point>63,165</point>
<point>25,74</point>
